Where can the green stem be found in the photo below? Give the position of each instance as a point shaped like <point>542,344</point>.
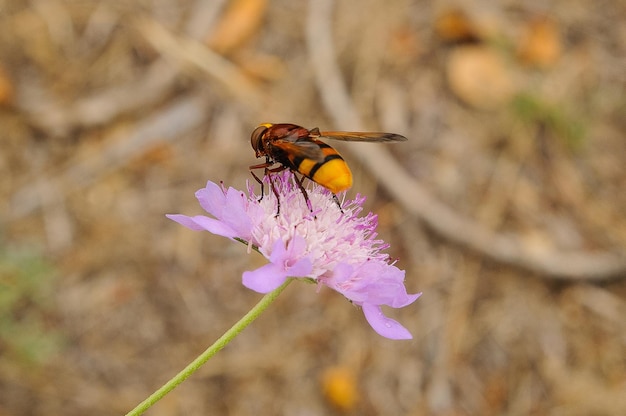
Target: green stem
<point>210,352</point>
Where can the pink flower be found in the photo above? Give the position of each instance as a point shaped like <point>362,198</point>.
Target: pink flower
<point>335,249</point>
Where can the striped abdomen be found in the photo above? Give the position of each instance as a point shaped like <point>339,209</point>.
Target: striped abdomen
<point>332,173</point>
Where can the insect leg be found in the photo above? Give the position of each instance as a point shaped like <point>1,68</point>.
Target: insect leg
<point>260,182</point>
<point>304,193</point>
<point>267,173</point>
<point>264,166</point>
<point>337,202</point>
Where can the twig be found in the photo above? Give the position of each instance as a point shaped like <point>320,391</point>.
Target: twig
<point>187,50</point>
<point>417,200</point>
<point>57,118</point>
<point>166,125</point>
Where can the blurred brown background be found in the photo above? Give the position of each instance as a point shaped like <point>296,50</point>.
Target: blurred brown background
<point>506,206</point>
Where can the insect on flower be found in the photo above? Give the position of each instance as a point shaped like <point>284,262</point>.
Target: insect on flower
<point>301,150</point>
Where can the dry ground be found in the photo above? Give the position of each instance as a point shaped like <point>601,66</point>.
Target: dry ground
<point>506,206</point>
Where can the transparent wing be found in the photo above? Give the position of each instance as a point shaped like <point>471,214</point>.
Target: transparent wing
<point>354,136</point>
<point>305,149</point>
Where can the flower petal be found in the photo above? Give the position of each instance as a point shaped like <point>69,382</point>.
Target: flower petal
<point>185,221</point>
<point>238,220</point>
<point>341,274</point>
<point>386,327</point>
<point>374,282</point>
<point>404,299</point>
<point>212,199</point>
<point>302,268</point>
<point>279,252</point>
<point>290,260</point>
<point>265,278</point>
<point>200,222</point>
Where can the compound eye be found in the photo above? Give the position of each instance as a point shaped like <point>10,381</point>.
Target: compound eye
<point>256,139</point>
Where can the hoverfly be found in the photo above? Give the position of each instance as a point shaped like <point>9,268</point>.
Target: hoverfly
<point>300,150</point>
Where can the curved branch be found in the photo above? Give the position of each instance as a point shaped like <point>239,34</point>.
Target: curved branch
<point>417,200</point>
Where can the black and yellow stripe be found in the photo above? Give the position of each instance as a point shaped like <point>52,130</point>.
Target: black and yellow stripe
<point>332,172</point>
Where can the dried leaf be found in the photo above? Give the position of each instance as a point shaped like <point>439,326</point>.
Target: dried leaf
<point>238,25</point>
<point>405,44</point>
<point>340,387</point>
<point>262,66</point>
<point>7,91</point>
<point>479,77</point>
<point>455,26</point>
<point>540,45</point>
